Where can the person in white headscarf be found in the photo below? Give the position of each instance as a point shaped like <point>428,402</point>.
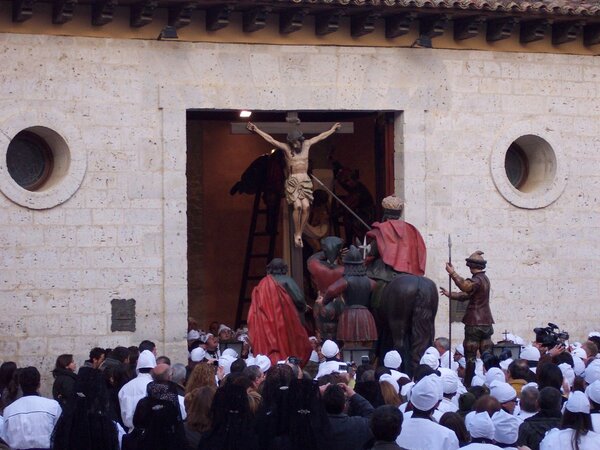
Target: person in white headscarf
<point>593,394</point>
<point>419,431</point>
<point>575,431</point>
<point>131,393</point>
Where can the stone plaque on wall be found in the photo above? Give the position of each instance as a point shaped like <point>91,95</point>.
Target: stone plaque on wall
<point>122,314</point>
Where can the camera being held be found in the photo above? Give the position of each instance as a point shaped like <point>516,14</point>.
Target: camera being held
<point>550,337</point>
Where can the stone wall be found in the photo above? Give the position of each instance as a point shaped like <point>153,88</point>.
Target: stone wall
<point>120,107</point>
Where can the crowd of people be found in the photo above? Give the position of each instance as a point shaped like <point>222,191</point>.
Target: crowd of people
<point>128,398</point>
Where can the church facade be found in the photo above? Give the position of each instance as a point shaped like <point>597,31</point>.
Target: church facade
<point>496,137</point>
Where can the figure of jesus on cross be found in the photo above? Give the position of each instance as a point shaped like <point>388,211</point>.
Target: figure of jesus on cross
<point>298,186</point>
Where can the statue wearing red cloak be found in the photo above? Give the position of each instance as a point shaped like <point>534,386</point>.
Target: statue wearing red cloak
<point>274,327</point>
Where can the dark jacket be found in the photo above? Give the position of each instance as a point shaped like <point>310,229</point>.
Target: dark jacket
<point>533,429</point>
<point>64,385</point>
<point>384,445</point>
<point>351,432</point>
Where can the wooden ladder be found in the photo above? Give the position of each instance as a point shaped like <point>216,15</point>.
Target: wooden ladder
<point>255,255</point>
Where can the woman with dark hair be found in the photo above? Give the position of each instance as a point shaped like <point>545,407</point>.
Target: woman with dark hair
<point>7,370</point>
<point>270,421</point>
<point>232,426</point>
<point>455,422</point>
<point>84,422</point>
<point>13,390</point>
<point>115,377</point>
<point>198,422</point>
<point>576,432</point>
<point>64,379</point>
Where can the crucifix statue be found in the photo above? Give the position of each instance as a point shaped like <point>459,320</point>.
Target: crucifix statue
<point>298,186</point>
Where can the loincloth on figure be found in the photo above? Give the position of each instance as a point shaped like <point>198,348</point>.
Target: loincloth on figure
<point>296,189</point>
<point>356,324</point>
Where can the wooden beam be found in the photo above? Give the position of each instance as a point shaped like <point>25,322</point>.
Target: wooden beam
<point>563,32</point>
<point>433,25</point>
<point>398,25</point>
<point>180,15</point>
<point>533,30</point>
<point>499,29</point>
<point>285,128</point>
<point>591,34</point>
<point>361,24</point>
<point>141,13</point>
<point>255,19</point>
<point>102,12</point>
<point>467,27</point>
<point>291,20</point>
<point>218,17</point>
<point>327,22</point>
<point>22,10</point>
<point>62,11</point>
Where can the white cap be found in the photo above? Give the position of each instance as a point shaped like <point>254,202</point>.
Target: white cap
<point>223,327</point>
<point>578,365</point>
<point>594,334</point>
<point>477,381</point>
<point>426,393</point>
<point>578,403</point>
<point>480,425</point>
<point>504,364</point>
<point>578,351</point>
<point>593,391</point>
<point>251,361</point>
<point>392,360</point>
<point>430,360</point>
<point>592,372</point>
<point>449,380</point>
<point>432,351</point>
<point>506,427</point>
<point>205,337</point>
<point>389,379</point>
<point>502,391</point>
<point>568,373</point>
<point>198,354</point>
<point>263,362</point>
<point>329,349</point>
<point>146,360</point>
<point>530,353</point>
<point>460,349</point>
<point>230,352</point>
<point>515,339</point>
<point>494,374</point>
<point>225,362</point>
<point>531,385</point>
<point>193,335</point>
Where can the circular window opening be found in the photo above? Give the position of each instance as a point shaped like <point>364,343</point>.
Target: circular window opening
<point>29,160</point>
<point>516,165</point>
<point>530,164</point>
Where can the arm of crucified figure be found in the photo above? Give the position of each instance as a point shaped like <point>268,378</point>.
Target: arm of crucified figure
<point>336,126</point>
<point>267,137</point>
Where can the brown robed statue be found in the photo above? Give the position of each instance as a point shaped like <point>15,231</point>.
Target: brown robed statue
<point>298,186</point>
<point>478,317</point>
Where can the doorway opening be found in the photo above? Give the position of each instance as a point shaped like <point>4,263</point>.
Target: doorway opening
<point>356,166</point>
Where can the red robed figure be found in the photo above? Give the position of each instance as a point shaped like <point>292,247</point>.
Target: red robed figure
<point>273,324</point>
<point>400,246</point>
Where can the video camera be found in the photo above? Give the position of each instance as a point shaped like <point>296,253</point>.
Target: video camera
<point>550,336</point>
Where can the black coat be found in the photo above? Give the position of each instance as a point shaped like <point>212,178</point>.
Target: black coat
<point>534,428</point>
<point>352,432</point>
<point>64,385</point>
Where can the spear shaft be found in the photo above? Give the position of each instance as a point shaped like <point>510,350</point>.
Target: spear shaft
<point>450,304</point>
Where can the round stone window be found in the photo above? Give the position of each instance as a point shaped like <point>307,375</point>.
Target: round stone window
<point>529,172</point>
<point>29,160</point>
<point>40,169</point>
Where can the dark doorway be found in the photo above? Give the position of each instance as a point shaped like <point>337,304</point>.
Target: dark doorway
<point>218,223</point>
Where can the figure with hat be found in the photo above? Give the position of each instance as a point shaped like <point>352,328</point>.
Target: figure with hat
<point>274,325</point>
<point>356,325</point>
<point>298,186</point>
<point>478,318</point>
<point>397,245</point>
<point>325,271</point>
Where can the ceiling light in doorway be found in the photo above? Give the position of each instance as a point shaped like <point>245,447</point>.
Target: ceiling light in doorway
<point>245,114</point>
